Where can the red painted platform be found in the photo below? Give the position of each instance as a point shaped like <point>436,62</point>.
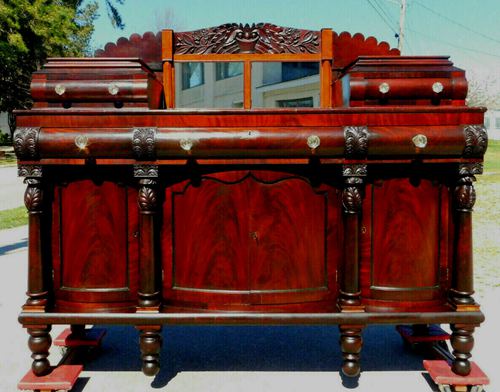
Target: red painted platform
<point>441,373</point>
<point>62,377</point>
<point>435,333</point>
<point>93,337</point>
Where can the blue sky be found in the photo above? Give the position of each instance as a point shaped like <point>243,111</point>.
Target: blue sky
<point>432,26</point>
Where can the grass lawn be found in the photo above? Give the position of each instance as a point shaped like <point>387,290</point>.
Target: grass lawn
<point>13,218</point>
<point>486,219</point>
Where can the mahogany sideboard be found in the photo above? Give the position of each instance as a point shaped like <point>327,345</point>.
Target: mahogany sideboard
<point>354,212</point>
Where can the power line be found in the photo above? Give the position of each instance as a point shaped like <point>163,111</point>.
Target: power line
<point>384,11</point>
<point>455,22</point>
<point>383,18</point>
<point>453,44</point>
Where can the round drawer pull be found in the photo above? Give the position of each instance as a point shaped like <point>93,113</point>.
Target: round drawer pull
<point>384,87</point>
<point>81,141</point>
<point>420,140</point>
<point>59,89</point>
<point>313,141</point>
<point>437,87</point>
<point>113,89</point>
<point>186,144</point>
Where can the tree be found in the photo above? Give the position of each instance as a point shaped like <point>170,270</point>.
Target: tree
<point>31,31</point>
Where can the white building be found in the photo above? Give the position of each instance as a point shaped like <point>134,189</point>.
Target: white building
<point>220,85</point>
<point>492,123</point>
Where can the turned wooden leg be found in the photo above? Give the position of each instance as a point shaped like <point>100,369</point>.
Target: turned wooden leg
<point>150,342</point>
<point>462,342</point>
<point>351,343</point>
<point>39,343</point>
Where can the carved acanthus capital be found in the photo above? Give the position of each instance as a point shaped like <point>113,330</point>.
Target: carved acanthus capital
<point>146,171</point>
<point>33,196</point>
<point>143,143</point>
<point>26,143</point>
<point>147,197</point>
<point>352,199</point>
<point>356,141</point>
<point>476,140</point>
<point>354,170</point>
<point>30,171</point>
<point>465,197</point>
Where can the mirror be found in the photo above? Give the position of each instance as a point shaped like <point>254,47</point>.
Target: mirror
<point>285,84</point>
<point>209,85</point>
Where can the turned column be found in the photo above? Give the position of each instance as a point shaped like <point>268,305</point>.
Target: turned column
<point>351,340</point>
<point>462,286</point>
<point>26,148</point>
<point>352,199</point>
<point>149,287</point>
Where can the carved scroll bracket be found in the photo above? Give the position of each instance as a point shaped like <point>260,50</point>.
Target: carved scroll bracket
<point>26,143</point>
<point>476,140</point>
<point>144,144</point>
<point>356,141</point>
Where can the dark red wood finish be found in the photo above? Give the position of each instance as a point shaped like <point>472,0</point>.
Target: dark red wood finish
<point>353,213</point>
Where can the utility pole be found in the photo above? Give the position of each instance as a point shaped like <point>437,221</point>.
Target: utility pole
<point>402,15</point>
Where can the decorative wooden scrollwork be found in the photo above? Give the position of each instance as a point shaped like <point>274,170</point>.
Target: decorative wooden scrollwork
<point>147,197</point>
<point>33,196</point>
<point>356,141</point>
<point>33,171</point>
<point>465,194</point>
<point>254,38</point>
<point>476,140</point>
<point>143,143</point>
<point>354,170</point>
<point>146,171</point>
<point>26,143</point>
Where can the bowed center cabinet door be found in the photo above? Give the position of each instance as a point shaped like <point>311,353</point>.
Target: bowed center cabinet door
<point>94,246</point>
<point>247,239</point>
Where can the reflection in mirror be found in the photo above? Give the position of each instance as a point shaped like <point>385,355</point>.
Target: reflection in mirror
<point>209,85</point>
<point>285,84</point>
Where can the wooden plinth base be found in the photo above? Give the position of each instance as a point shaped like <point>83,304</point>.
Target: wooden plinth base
<point>93,338</point>
<point>62,377</point>
<point>433,334</point>
<point>441,373</point>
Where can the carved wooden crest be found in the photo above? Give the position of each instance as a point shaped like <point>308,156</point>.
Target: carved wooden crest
<point>255,38</point>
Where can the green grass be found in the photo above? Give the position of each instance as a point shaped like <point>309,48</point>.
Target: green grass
<point>8,161</point>
<point>486,226</point>
<point>13,218</point>
<point>492,157</point>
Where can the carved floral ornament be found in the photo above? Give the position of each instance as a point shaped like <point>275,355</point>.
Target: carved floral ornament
<point>255,38</point>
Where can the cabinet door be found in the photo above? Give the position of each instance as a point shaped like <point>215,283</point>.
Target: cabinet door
<point>95,245</point>
<point>250,239</point>
<point>409,243</point>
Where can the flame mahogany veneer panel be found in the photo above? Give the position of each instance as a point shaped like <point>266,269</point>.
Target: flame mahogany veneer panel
<point>94,244</point>
<point>406,226</point>
<point>250,238</point>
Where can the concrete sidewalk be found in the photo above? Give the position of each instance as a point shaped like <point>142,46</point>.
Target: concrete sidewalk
<point>11,189</point>
<point>220,358</point>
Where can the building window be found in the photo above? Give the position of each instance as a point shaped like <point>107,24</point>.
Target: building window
<point>497,122</point>
<point>487,122</point>
<point>192,75</point>
<point>291,71</point>
<point>296,103</point>
<point>227,70</point>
